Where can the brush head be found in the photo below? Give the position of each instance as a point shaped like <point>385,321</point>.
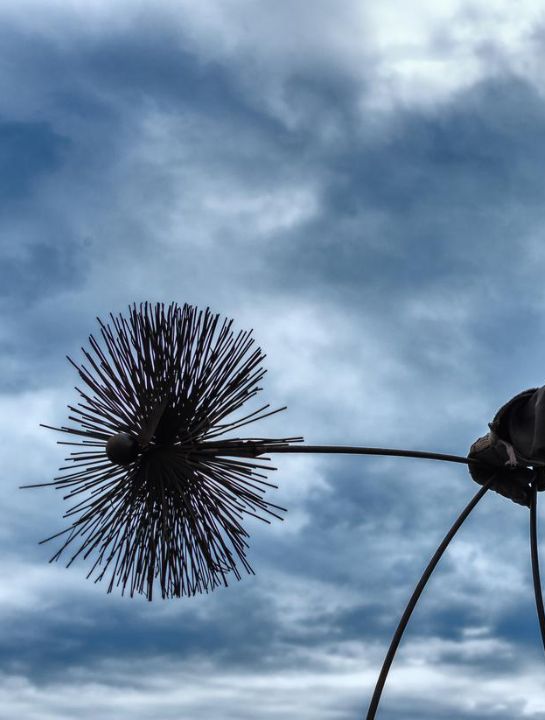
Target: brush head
<point>160,491</point>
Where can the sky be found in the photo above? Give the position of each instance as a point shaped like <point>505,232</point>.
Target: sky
<point>362,184</point>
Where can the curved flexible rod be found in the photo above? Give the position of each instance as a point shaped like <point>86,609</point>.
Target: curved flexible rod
<point>416,595</point>
<point>535,561</point>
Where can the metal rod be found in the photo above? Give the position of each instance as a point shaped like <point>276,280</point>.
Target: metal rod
<point>535,561</point>
<point>414,599</point>
<point>261,448</point>
<point>349,450</point>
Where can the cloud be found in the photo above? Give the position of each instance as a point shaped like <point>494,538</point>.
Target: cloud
<point>330,688</point>
<point>28,151</point>
<point>366,192</point>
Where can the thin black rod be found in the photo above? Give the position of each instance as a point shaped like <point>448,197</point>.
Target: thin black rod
<point>535,561</point>
<point>372,451</point>
<point>414,599</point>
<point>262,448</point>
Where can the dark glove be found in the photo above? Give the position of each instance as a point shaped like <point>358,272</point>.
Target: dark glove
<point>514,447</point>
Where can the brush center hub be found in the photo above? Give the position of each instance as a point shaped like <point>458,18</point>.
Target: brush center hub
<point>122,448</point>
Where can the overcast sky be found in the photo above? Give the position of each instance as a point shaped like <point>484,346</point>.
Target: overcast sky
<point>362,183</point>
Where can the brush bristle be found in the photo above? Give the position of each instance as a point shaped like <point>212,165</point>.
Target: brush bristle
<point>154,505</point>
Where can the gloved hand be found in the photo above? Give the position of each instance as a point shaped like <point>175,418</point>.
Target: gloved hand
<point>514,447</point>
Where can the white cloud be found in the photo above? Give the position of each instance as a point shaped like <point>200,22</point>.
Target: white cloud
<point>278,210</point>
<point>29,454</point>
<point>40,588</point>
<point>402,55</point>
<point>420,54</point>
<point>336,682</point>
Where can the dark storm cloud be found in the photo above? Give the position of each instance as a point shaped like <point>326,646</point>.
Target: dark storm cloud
<point>73,212</point>
<point>38,267</point>
<point>131,633</point>
<point>454,190</point>
<point>28,150</point>
<point>65,180</point>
